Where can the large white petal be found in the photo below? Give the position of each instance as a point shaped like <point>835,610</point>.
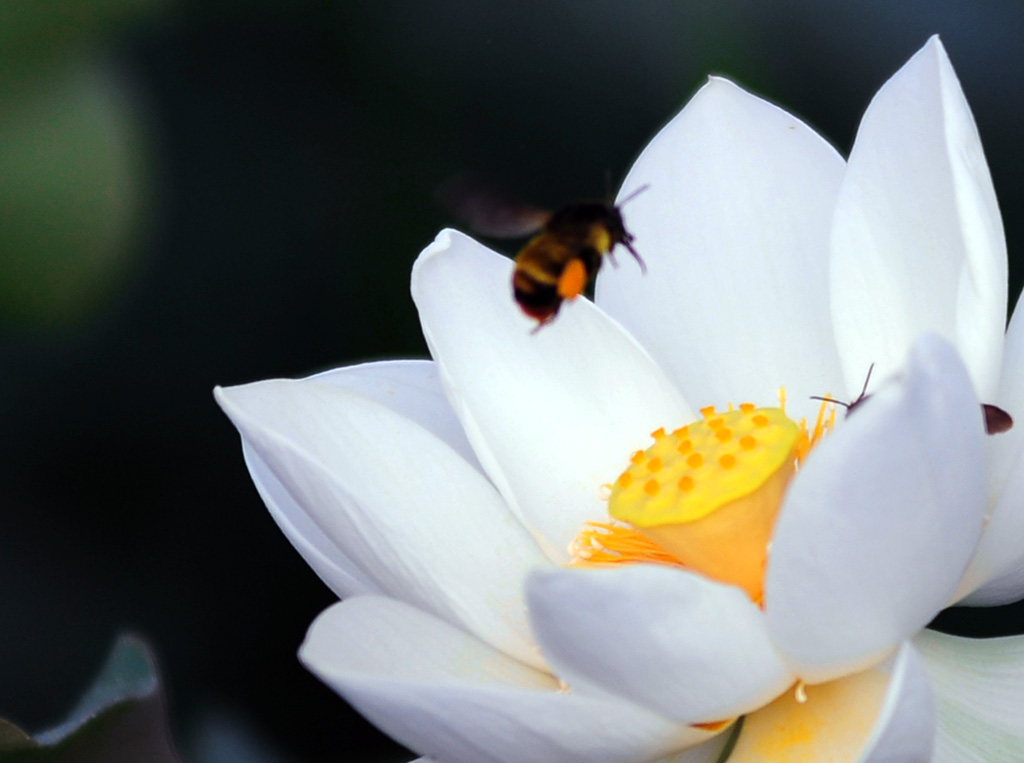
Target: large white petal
<point>980,689</point>
<point>411,388</point>
<point>683,646</point>
<point>881,521</point>
<point>735,232</point>
<point>552,415</point>
<point>917,241</point>
<point>418,521</point>
<point>883,714</point>
<point>996,576</point>
<point>447,695</point>
<point>328,561</point>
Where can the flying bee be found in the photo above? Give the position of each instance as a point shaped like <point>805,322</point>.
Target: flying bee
<point>996,419</point>
<point>567,247</point>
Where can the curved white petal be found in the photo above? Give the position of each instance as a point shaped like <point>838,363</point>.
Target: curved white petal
<point>979,685</point>
<point>683,646</point>
<point>905,730</point>
<point>881,521</point>
<point>321,553</point>
<point>447,695</point>
<point>996,576</point>
<point>881,714</point>
<point>552,415</point>
<point>734,230</point>
<point>917,240</point>
<point>419,522</point>
<point>411,388</point>
<point>1007,447</point>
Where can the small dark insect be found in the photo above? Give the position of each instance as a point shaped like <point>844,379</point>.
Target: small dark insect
<point>559,262</point>
<point>996,419</point>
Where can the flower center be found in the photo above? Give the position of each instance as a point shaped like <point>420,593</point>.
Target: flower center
<point>705,496</point>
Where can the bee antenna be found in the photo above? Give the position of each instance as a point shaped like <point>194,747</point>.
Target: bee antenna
<point>830,400</point>
<point>864,389</point>
<point>635,193</point>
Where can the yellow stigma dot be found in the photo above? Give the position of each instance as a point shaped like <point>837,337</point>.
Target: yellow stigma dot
<point>625,480</point>
<point>747,407</point>
<point>658,433</point>
<point>639,457</point>
<point>680,433</point>
<point>708,411</point>
<point>717,520</point>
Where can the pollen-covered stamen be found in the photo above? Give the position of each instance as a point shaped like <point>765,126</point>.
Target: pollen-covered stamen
<point>712,499</point>
<point>605,543</point>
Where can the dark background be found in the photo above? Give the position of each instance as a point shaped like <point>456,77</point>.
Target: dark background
<point>254,212</point>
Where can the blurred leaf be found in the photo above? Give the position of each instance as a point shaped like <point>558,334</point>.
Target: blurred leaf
<point>120,719</point>
<point>32,33</point>
<point>71,189</point>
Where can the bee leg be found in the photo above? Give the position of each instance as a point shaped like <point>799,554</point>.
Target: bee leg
<point>636,256</point>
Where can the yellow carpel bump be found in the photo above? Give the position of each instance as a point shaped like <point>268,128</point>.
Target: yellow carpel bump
<point>714,503</point>
<point>573,279</point>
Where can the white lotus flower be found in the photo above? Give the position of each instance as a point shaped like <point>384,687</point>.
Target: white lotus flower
<point>440,499</point>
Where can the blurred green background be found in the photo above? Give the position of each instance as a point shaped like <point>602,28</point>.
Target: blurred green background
<point>200,193</point>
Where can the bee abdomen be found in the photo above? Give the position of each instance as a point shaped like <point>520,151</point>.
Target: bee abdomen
<point>537,298</point>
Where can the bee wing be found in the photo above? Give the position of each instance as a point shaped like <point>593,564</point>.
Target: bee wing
<point>488,210</point>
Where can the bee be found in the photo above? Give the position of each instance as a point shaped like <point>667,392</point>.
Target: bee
<point>567,248</point>
<point>997,420</point>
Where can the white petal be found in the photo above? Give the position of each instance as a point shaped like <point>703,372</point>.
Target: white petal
<point>917,241</point>
<point>884,713</point>
<point>980,688</point>
<point>448,696</point>
<point>418,521</point>
<point>552,415</point>
<point>320,552</point>
<point>1007,447</point>
<point>996,576</point>
<point>734,230</point>
<point>881,521</point>
<point>411,388</point>
<point>905,730</point>
<point>683,646</point>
